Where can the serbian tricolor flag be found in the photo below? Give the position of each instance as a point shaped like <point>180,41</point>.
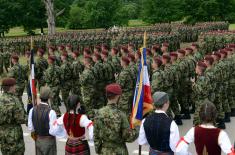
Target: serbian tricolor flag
<point>142,102</point>
<point>33,88</point>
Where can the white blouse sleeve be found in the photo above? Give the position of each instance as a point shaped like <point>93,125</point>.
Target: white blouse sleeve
<point>183,144</point>
<point>57,128</point>
<point>224,142</point>
<point>86,123</point>
<point>174,136</point>
<point>142,140</point>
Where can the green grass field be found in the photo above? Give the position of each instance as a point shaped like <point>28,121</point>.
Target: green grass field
<point>19,31</point>
<point>232,27</point>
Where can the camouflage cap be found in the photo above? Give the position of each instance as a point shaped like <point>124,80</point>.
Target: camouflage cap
<point>45,92</point>
<point>160,98</point>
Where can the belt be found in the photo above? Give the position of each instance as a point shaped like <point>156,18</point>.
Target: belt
<point>77,138</point>
<point>45,137</point>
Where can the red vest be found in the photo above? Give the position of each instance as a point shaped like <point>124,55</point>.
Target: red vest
<point>73,129</point>
<point>207,138</point>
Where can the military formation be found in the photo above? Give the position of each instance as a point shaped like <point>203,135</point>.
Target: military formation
<point>203,71</point>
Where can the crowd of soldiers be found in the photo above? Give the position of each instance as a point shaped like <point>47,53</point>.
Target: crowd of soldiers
<point>86,73</point>
<point>158,33</point>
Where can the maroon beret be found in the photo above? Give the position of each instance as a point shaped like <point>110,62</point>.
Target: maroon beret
<point>181,51</point>
<point>209,58</point>
<point>104,52</point>
<point>125,49</point>
<point>126,60</point>
<point>88,57</point>
<point>76,53</point>
<point>40,50</point>
<point>105,46</point>
<point>155,47</point>
<point>228,49</point>
<point>165,44</point>
<point>65,54</point>
<point>87,50</point>
<point>231,45</point>
<point>28,52</point>
<point>131,56</point>
<point>62,47</point>
<point>52,58</point>
<point>52,48</point>
<point>8,82</point>
<point>189,49</point>
<point>201,64</point>
<point>173,54</point>
<point>114,89</point>
<point>223,52</point>
<point>115,50</point>
<point>217,54</point>
<point>166,57</point>
<point>157,60</point>
<point>97,55</point>
<point>15,57</point>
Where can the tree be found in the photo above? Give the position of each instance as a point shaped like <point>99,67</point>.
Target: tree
<point>155,11</point>
<point>10,13</point>
<point>94,14</point>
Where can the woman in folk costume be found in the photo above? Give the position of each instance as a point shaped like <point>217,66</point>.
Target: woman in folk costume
<point>73,125</point>
<point>208,139</point>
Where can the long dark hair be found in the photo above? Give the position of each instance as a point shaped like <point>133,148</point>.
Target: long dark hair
<point>73,101</point>
<point>208,112</point>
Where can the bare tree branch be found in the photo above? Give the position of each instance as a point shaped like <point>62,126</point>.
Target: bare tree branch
<point>60,12</point>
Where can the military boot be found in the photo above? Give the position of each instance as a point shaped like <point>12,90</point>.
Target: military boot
<point>227,117</point>
<point>178,120</point>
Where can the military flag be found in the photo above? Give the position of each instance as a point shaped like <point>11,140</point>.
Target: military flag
<point>142,102</point>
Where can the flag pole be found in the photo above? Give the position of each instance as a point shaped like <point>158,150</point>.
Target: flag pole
<point>144,46</point>
<point>34,98</point>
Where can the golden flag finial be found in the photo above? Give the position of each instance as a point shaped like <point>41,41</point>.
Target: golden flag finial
<point>145,39</point>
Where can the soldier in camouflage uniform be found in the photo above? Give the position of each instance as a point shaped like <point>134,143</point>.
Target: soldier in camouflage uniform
<point>111,128</point>
<point>52,78</point>
<point>12,115</point>
<point>1,62</point>
<point>200,90</point>
<point>109,68</point>
<point>40,66</point>
<point>157,76</point>
<point>6,59</point>
<point>116,60</point>
<point>125,80</point>
<point>77,71</point>
<point>98,72</point>
<point>18,72</point>
<point>66,77</point>
<point>88,83</point>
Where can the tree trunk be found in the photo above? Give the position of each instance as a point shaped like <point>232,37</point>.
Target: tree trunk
<point>42,31</point>
<point>49,4</point>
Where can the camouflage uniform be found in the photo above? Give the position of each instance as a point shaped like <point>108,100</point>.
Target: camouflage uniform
<point>66,83</point>
<point>19,73</point>
<point>12,116</point>
<point>112,131</point>
<point>88,82</point>
<point>6,60</point>
<point>98,72</point>
<point>52,78</point>
<point>126,82</point>
<point>77,71</point>
<point>157,81</point>
<point>1,63</point>
<point>40,66</point>
<point>200,93</point>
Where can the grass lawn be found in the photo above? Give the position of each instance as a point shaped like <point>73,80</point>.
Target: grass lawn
<point>136,23</point>
<point>232,27</point>
<point>19,31</point>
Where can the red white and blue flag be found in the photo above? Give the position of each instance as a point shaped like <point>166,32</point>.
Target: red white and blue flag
<point>142,102</point>
<point>33,88</point>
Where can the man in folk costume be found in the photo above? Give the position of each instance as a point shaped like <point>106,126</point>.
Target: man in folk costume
<point>40,122</point>
<point>158,129</point>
